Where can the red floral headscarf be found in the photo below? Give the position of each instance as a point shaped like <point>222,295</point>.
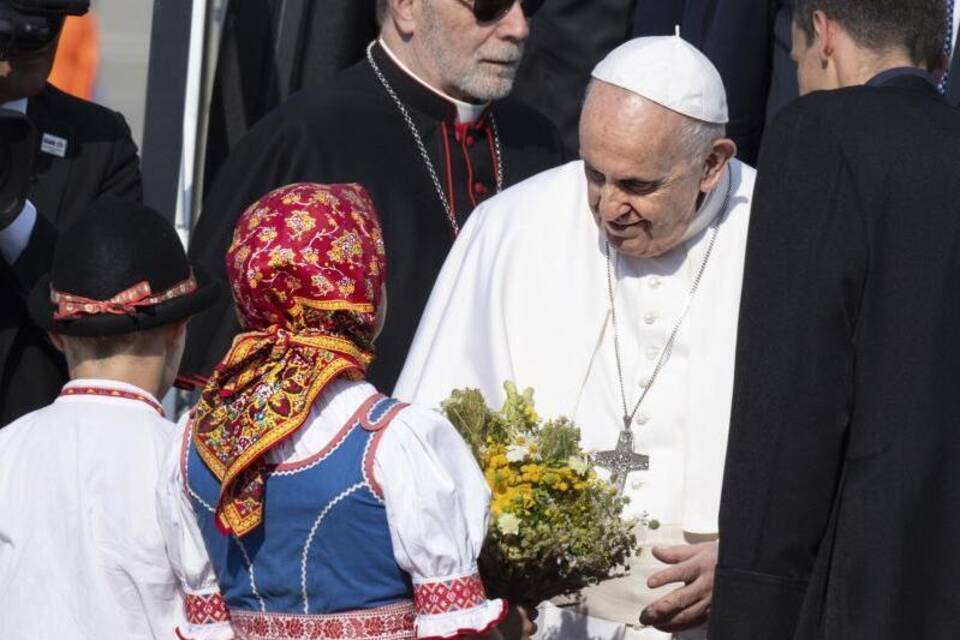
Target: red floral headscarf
<point>306,268</point>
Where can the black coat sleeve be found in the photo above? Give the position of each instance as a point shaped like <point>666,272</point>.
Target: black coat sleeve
<point>122,177</point>
<point>793,392</point>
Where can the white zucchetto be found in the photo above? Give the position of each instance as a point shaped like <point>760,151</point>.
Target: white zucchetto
<point>669,71</point>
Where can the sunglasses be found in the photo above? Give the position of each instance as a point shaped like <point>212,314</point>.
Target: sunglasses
<point>493,10</point>
<point>23,34</point>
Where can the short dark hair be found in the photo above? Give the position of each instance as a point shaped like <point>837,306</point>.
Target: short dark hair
<point>919,26</point>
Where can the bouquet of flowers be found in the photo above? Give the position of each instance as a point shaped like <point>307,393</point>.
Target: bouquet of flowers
<point>556,527</point>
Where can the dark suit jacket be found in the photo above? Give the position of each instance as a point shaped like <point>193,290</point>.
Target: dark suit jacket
<point>101,158</point>
<point>841,498</point>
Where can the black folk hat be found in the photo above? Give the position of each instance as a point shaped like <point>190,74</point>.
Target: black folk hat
<point>119,270</point>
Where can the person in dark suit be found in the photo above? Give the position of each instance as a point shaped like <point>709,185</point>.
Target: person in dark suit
<point>84,151</point>
<point>840,502</point>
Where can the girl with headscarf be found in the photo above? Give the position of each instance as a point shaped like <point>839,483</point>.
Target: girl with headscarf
<point>318,507</point>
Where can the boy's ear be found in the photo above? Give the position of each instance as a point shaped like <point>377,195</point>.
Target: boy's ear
<point>57,341</point>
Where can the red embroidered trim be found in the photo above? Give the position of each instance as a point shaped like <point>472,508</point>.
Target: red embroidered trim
<point>357,417</point>
<point>71,306</point>
<point>205,609</point>
<point>394,622</point>
<point>504,611</point>
<point>113,393</point>
<point>449,595</point>
<point>370,455</point>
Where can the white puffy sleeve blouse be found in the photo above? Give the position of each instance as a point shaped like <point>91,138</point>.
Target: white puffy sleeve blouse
<point>436,499</point>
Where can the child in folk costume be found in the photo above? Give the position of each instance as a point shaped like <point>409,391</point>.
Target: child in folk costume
<point>81,553</point>
<point>321,508</point>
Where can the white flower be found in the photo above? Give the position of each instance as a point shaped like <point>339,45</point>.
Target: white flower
<point>579,465</point>
<point>517,452</point>
<point>509,524</point>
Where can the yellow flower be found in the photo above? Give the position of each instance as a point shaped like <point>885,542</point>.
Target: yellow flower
<point>266,235</point>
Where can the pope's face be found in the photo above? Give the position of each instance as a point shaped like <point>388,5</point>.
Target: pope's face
<point>643,186</point>
<point>472,61</point>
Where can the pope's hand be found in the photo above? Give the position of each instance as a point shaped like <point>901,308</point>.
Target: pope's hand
<point>693,565</point>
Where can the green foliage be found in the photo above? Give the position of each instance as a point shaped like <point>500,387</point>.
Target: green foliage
<point>557,527</point>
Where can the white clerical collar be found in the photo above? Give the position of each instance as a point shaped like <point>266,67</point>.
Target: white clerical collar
<point>17,105</point>
<point>711,206</point>
<point>467,112</point>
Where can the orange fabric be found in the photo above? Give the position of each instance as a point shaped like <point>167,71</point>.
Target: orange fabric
<point>78,57</point>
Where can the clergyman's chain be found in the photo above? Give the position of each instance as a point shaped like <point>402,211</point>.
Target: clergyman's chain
<point>628,415</point>
<point>418,139</point>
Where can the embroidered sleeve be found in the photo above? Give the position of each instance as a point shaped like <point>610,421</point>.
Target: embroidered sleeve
<point>437,502</point>
<point>205,615</point>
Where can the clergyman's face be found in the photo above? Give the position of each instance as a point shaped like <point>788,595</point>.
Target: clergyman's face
<point>475,62</point>
<point>643,187</point>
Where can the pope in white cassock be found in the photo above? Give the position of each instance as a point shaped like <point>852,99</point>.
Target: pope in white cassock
<point>611,286</point>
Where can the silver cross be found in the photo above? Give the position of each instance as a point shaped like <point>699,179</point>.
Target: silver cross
<point>623,459</point>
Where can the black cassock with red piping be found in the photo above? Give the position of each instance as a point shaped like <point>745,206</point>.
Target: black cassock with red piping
<point>349,129</point>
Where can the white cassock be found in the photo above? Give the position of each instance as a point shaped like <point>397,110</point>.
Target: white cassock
<point>81,552</point>
<point>523,296</point>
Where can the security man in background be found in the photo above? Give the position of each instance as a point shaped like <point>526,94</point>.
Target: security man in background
<point>77,152</point>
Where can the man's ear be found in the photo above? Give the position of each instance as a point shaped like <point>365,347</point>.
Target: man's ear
<point>724,149</point>
<point>57,342</point>
<point>403,15</point>
<point>825,36</point>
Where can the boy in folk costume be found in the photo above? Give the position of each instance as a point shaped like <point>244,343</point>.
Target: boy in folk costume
<point>322,508</point>
<point>81,553</point>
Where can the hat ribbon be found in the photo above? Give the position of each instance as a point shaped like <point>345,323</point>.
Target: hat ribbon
<point>70,306</point>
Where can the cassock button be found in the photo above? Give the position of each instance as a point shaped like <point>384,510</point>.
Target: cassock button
<point>650,317</point>
<point>644,382</point>
<point>471,141</point>
<point>642,419</point>
<point>654,282</point>
<point>636,484</point>
<point>653,353</point>
<point>479,188</point>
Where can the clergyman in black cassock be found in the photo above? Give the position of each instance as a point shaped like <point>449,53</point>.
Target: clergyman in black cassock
<point>841,498</point>
<point>350,130</point>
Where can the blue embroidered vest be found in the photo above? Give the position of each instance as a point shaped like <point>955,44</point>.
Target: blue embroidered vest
<point>324,545</point>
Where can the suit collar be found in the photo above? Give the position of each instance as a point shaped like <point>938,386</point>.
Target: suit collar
<point>905,78</point>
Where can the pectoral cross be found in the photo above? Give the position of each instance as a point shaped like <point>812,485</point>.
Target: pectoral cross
<point>623,459</point>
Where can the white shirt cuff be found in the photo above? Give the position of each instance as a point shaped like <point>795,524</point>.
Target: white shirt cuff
<point>14,238</point>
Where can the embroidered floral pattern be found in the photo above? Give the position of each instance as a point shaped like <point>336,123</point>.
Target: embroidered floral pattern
<point>395,622</point>
<point>205,609</point>
<point>306,268</point>
<point>449,595</point>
